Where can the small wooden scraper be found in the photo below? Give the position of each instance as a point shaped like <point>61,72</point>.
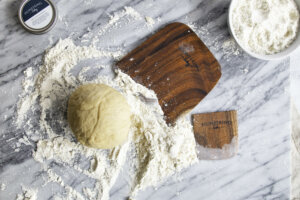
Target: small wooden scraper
<point>177,65</point>
<point>216,134</point>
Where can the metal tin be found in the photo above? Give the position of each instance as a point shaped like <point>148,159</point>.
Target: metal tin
<point>37,16</point>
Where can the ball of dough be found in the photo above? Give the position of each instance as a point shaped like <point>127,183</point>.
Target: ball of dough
<point>99,116</point>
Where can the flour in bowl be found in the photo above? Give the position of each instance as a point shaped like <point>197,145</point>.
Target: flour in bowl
<point>265,26</point>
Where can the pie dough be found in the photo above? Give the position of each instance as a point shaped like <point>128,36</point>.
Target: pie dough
<point>99,116</point>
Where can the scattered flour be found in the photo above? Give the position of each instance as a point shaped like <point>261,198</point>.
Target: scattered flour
<point>245,70</point>
<point>150,21</point>
<point>88,2</point>
<point>265,26</point>
<point>64,20</point>
<point>155,150</point>
<point>127,11</point>
<point>27,194</point>
<point>229,47</point>
<point>24,104</point>
<point>2,187</point>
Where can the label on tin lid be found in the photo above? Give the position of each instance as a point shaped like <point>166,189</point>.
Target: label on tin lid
<point>37,14</point>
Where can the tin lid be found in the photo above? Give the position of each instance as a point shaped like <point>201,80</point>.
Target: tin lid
<point>37,16</point>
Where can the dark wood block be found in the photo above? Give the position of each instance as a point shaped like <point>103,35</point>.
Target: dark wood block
<point>177,65</point>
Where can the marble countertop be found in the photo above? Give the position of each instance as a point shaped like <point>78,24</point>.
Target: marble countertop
<point>258,90</point>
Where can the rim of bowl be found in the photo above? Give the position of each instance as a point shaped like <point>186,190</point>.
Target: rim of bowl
<point>280,55</point>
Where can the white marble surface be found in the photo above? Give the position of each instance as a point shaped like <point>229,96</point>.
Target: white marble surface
<point>295,78</point>
<point>259,90</point>
<point>295,146</point>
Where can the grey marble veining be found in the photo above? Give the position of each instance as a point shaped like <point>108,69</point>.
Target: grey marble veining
<point>257,89</point>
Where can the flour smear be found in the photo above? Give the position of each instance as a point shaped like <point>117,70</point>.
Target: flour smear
<point>154,150</point>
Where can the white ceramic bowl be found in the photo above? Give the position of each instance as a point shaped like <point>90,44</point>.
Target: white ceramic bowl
<point>286,52</point>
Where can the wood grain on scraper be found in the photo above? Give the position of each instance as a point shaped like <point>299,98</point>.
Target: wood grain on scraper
<point>177,65</point>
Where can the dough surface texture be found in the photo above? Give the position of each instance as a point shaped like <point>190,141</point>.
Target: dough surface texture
<point>99,116</point>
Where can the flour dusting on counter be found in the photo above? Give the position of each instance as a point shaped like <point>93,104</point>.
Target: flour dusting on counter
<point>150,21</point>
<point>27,194</point>
<point>2,187</point>
<point>155,150</point>
<point>114,18</point>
